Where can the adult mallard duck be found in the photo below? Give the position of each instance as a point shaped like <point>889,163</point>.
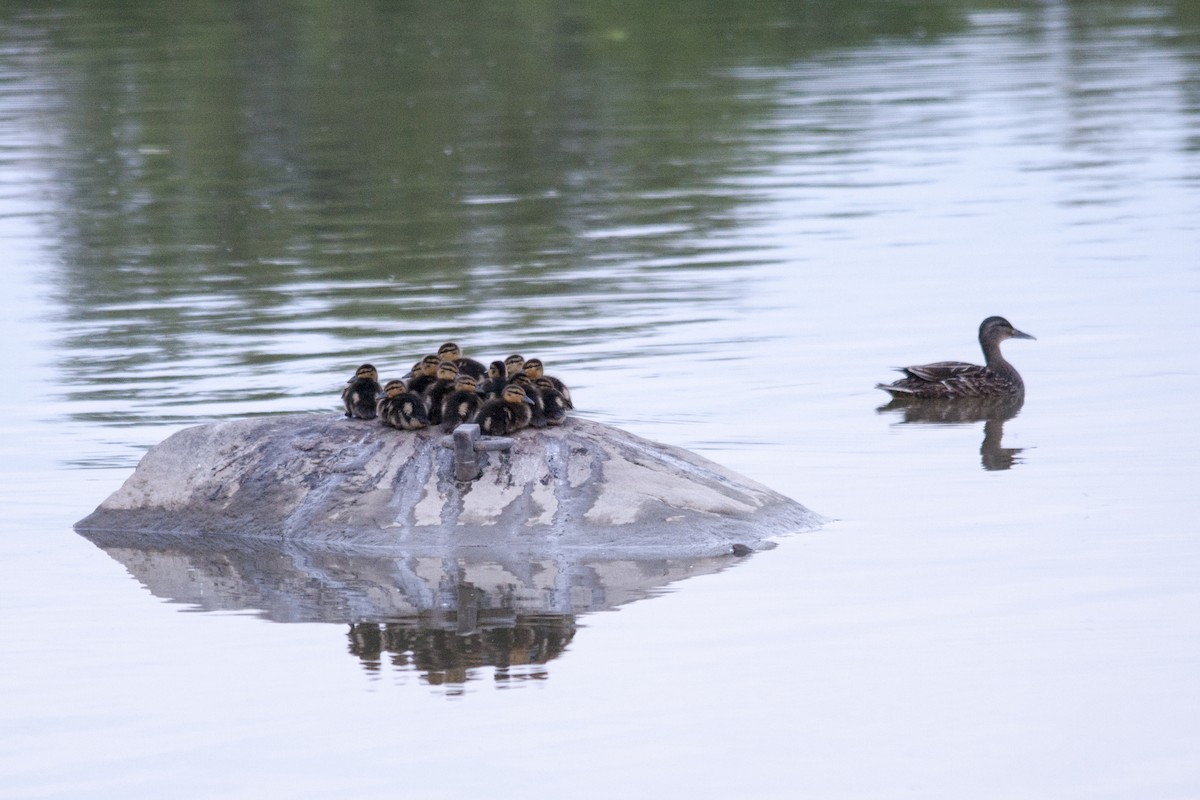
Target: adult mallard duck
<point>466,366</point>
<point>361,392</point>
<point>401,408</point>
<point>506,414</point>
<point>461,404</point>
<point>956,379</point>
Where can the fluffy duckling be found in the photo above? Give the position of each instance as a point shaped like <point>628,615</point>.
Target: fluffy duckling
<point>535,369</point>
<point>506,414</point>
<point>493,385</point>
<point>538,416</point>
<point>425,373</point>
<point>513,365</point>
<point>361,392</point>
<point>554,404</point>
<point>466,366</point>
<point>447,373</point>
<point>956,379</point>
<point>461,404</point>
<point>401,408</point>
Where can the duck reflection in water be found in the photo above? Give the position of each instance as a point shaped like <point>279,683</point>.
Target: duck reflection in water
<point>518,647</point>
<point>993,412</point>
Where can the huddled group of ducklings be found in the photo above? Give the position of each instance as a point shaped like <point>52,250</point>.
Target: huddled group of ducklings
<point>449,389</point>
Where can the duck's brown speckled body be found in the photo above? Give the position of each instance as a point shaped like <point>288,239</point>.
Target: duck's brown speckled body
<point>956,379</point>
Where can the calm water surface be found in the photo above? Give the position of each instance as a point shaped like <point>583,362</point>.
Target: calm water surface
<point>722,228</point>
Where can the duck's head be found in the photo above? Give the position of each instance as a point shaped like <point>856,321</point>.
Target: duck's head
<point>514,394</point>
<point>429,365</point>
<point>365,371</point>
<point>512,365</point>
<point>466,383</point>
<point>997,329</point>
<point>523,380</point>
<point>534,368</point>
<point>447,371</point>
<point>496,370</point>
<point>544,383</point>
<point>393,388</point>
<point>449,351</point>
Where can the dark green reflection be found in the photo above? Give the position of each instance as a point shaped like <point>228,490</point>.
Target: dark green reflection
<point>226,174</point>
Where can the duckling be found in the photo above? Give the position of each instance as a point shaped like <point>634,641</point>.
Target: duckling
<point>506,414</point>
<point>554,405</point>
<point>425,373</point>
<point>493,385</point>
<point>460,405</point>
<point>512,365</point>
<point>535,369</point>
<point>447,372</point>
<point>538,416</point>
<point>360,393</point>
<point>956,379</point>
<point>401,408</point>
<point>466,366</point>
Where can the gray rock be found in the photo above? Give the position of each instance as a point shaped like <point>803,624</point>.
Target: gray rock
<point>319,478</point>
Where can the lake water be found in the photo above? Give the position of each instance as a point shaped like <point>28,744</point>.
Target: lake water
<point>721,224</point>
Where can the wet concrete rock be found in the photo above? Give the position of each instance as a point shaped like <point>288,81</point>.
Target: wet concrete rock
<point>324,479</point>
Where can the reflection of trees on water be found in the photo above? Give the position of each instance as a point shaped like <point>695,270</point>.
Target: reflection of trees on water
<point>250,188</point>
<point>992,412</point>
<point>452,617</point>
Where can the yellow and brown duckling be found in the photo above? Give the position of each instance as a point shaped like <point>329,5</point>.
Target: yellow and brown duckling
<point>535,369</point>
<point>466,366</point>
<point>957,379</point>
<point>424,374</point>
<point>538,416</point>
<point>361,392</point>
<point>554,404</point>
<point>506,414</point>
<point>447,373</point>
<point>401,408</point>
<point>462,404</point>
<point>513,366</point>
<point>494,383</point>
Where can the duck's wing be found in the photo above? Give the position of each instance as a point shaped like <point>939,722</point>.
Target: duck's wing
<point>941,371</point>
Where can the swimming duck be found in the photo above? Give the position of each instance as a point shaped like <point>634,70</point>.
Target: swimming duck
<point>401,408</point>
<point>360,393</point>
<point>535,369</point>
<point>425,373</point>
<point>506,414</point>
<point>956,379</point>
<point>554,404</point>
<point>447,373</point>
<point>460,405</point>
<point>467,366</point>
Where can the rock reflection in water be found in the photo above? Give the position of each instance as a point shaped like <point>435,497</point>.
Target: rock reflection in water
<point>993,412</point>
<point>446,618</point>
